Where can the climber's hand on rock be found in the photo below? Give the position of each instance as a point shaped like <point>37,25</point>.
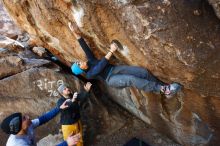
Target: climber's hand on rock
<point>87,86</point>
<point>74,29</point>
<point>71,27</point>
<point>113,47</point>
<point>73,139</point>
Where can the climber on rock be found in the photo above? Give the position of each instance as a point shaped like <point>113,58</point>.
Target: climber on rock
<point>21,128</point>
<point>118,76</point>
<point>70,117</point>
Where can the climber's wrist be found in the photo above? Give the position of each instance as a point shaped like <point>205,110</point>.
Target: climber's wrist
<point>108,55</point>
<point>110,52</point>
<point>77,36</point>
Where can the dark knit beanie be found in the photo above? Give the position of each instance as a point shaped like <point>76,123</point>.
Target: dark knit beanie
<point>12,124</point>
<point>61,88</point>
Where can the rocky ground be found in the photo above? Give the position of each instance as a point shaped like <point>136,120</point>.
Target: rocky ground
<point>134,128</point>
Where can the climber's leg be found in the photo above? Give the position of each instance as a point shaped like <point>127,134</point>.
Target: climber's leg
<point>122,80</point>
<point>135,71</point>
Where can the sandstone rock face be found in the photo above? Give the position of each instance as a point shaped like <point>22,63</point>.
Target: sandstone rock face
<point>28,85</point>
<point>216,6</point>
<point>39,50</point>
<point>7,26</point>
<point>176,40</point>
<point>11,65</point>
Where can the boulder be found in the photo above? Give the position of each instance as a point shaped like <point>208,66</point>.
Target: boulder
<point>216,5</point>
<point>33,91</point>
<point>176,40</point>
<point>7,26</point>
<point>39,51</point>
<point>14,64</point>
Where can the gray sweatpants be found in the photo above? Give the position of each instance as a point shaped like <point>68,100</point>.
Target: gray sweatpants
<point>127,76</point>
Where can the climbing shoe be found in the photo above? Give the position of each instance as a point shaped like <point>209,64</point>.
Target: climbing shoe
<point>170,90</point>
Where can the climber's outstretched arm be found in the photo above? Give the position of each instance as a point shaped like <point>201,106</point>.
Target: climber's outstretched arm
<point>85,47</point>
<point>90,56</point>
<point>75,30</point>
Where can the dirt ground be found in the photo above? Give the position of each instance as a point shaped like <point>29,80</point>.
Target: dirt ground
<point>134,128</point>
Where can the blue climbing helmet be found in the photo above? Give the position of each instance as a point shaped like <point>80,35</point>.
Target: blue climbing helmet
<point>76,69</point>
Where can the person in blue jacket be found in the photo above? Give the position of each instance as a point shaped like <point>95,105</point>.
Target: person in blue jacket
<point>21,128</point>
<point>118,76</point>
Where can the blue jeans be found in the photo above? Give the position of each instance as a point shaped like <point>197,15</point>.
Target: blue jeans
<point>127,76</point>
